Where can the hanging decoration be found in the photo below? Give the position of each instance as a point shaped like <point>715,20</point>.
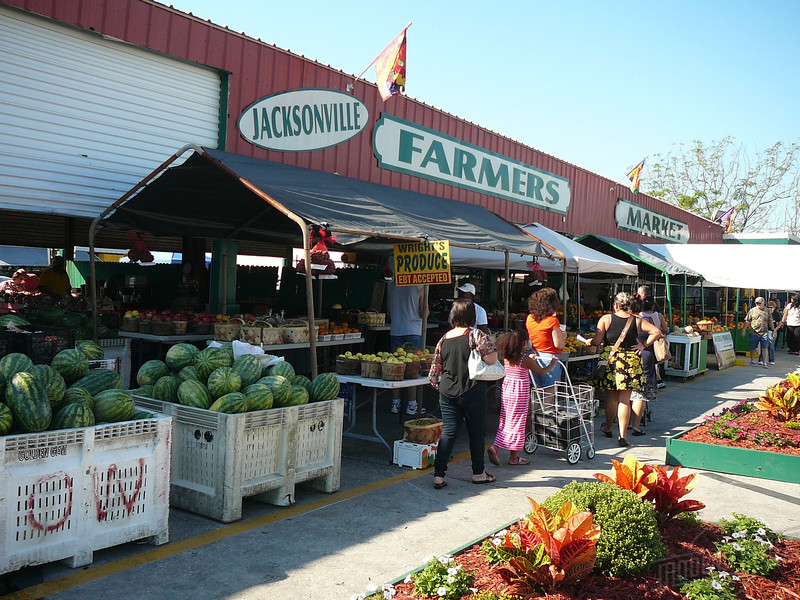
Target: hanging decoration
<point>139,251</point>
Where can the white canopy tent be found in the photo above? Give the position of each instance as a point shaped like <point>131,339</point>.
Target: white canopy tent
<point>579,258</point>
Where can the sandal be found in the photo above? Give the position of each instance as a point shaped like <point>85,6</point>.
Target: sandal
<point>605,431</point>
<point>487,478</point>
<point>441,483</point>
<point>639,432</point>
<point>493,457</point>
<point>623,442</point>
<point>519,461</point>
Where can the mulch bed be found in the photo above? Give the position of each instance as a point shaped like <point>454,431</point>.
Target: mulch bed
<point>755,422</point>
<point>691,550</point>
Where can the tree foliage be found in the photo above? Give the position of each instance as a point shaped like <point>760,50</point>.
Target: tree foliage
<point>763,190</point>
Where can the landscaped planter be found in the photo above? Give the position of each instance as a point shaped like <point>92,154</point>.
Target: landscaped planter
<point>736,461</point>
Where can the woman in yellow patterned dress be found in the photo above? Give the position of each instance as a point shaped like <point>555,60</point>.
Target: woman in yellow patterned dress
<point>624,371</point>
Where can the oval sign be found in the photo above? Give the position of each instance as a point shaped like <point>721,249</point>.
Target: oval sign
<point>303,120</point>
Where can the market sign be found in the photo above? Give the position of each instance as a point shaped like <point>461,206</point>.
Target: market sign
<point>635,218</point>
<point>409,148</point>
<point>422,263</point>
<point>303,120</point>
<point>723,349</point>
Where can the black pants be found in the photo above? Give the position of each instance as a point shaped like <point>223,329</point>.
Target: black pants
<point>793,337</point>
<point>470,409</point>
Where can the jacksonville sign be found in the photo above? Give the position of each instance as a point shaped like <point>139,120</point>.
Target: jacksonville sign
<point>303,120</point>
<point>408,148</point>
<point>637,219</point>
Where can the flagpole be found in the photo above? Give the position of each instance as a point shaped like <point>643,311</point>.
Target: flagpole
<point>350,86</point>
<point>611,189</point>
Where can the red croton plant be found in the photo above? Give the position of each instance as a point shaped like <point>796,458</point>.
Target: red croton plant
<point>655,484</point>
<point>782,400</point>
<point>549,549</point>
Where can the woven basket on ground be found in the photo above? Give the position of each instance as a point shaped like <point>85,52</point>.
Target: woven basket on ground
<point>422,431</point>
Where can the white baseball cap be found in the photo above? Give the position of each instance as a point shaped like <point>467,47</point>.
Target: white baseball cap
<point>468,288</point>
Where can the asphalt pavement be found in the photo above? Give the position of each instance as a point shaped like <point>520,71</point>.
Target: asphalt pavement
<point>386,520</point>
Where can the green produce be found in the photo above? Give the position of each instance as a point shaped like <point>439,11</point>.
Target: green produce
<point>230,403</point>
<point>28,401</point>
<point>194,393</point>
<point>54,383</point>
<point>6,419</point>
<point>99,380</point>
<point>283,368</point>
<point>112,406</point>
<point>180,356</point>
<point>298,396</point>
<point>145,391</point>
<point>150,372</point>
<point>223,380</point>
<point>259,397</point>
<point>78,396</point>
<point>248,367</point>
<point>140,414</point>
<point>72,364</point>
<point>72,320</point>
<point>49,315</point>
<point>324,387</point>
<point>187,373</point>
<point>280,388</point>
<point>11,318</point>
<point>210,359</point>
<point>91,350</point>
<point>166,388</point>
<point>302,380</point>
<point>71,416</point>
<point>16,362</point>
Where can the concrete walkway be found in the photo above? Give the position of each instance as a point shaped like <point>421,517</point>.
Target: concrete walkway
<point>386,520</point>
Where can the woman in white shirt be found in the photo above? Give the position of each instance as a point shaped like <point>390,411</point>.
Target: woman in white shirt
<point>791,321</point>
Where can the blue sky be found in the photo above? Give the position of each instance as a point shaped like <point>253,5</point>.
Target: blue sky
<point>597,84</point>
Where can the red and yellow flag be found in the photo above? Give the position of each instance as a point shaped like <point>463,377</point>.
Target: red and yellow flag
<point>634,176</point>
<point>390,67</point>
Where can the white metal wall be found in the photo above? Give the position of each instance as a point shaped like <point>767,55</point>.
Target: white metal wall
<point>83,118</point>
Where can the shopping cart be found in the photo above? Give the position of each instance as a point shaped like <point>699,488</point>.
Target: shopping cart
<point>562,418</point>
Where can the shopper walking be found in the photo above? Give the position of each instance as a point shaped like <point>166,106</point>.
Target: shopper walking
<point>791,321</point>
<point>759,321</point>
<point>619,332</point>
<point>515,400</point>
<point>645,307</point>
<point>772,307</point>
<point>461,400</point>
<point>546,333</point>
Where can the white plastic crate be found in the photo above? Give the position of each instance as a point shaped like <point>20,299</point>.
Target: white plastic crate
<point>415,456</point>
<point>70,492</point>
<point>218,459</point>
<point>119,348</point>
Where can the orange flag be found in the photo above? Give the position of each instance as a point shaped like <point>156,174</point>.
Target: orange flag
<point>390,67</point>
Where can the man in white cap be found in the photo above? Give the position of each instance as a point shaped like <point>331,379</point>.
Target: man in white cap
<point>467,290</point>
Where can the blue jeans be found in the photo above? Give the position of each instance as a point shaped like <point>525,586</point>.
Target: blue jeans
<point>397,341</point>
<point>772,347</point>
<point>469,408</point>
<point>551,377</point>
<point>762,340</point>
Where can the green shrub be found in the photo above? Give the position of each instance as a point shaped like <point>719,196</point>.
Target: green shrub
<point>630,541</point>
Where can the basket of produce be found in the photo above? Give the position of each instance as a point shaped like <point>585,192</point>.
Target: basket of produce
<point>393,371</point>
<point>199,328</point>
<point>130,324</point>
<point>371,369</point>
<point>179,327</point>
<point>227,332</point>
<point>425,366</point>
<point>412,370</point>
<point>422,431</point>
<point>161,328</point>
<point>251,333</point>
<point>296,332</point>
<point>348,366</point>
<point>271,335</point>
<point>145,326</point>
<point>372,318</point>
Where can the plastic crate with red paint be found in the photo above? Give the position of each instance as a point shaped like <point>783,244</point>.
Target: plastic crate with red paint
<point>39,343</point>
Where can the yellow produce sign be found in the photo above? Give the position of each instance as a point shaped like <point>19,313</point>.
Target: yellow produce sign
<point>417,263</point>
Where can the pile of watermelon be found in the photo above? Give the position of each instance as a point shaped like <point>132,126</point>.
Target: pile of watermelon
<point>62,395</point>
<point>213,380</point>
<point>80,323</point>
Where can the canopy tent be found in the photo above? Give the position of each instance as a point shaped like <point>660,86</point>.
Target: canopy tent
<point>220,195</point>
<point>579,258</point>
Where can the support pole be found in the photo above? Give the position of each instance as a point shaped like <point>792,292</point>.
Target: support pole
<point>508,288</point>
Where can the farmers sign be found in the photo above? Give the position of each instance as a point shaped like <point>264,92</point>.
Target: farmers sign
<point>421,263</point>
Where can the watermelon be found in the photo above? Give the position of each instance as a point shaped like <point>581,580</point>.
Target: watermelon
<point>259,397</point>
<point>78,396</point>
<point>140,414</point>
<point>73,320</point>
<point>27,398</point>
<point>73,415</point>
<point>150,372</point>
<point>248,367</point>
<point>99,380</point>
<point>16,362</point>
<point>223,381</point>
<point>112,406</point>
<point>145,390</point>
<point>280,388</point>
<point>324,387</point>
<point>298,396</point>
<point>282,368</point>
<point>54,383</point>
<point>228,349</point>
<point>7,419</point>
<point>194,393</point>
<point>72,364</point>
<point>166,388</point>
<point>187,373</point>
<point>49,315</point>
<point>302,380</point>
<point>91,350</point>
<point>181,355</point>
<point>235,402</point>
<point>5,320</point>
<point>210,359</point>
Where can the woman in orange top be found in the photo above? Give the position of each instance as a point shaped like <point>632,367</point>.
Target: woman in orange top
<point>546,333</point>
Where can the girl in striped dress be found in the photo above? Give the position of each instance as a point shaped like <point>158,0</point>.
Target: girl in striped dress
<point>516,396</point>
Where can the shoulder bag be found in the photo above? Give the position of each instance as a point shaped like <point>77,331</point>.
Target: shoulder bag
<point>661,350</point>
<point>478,369</point>
<point>599,371</point>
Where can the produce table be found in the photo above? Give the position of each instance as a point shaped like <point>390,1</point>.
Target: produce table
<point>375,384</point>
